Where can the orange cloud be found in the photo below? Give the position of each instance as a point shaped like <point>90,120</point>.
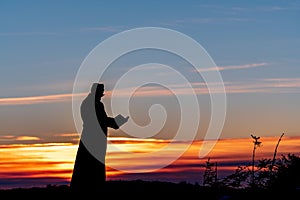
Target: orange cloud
<point>27,138</point>
<point>18,138</point>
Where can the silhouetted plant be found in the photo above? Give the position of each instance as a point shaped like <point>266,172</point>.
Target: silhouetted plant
<point>210,173</point>
<point>266,169</point>
<point>283,172</point>
<point>256,144</point>
<point>287,174</point>
<point>275,152</point>
<point>238,178</point>
<point>263,173</point>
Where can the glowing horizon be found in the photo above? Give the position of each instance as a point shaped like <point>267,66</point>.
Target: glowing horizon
<point>54,161</point>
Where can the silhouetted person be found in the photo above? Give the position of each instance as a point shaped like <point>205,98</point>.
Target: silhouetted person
<point>89,173</point>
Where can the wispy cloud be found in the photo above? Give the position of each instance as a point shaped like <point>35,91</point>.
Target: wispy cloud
<point>29,33</point>
<point>109,29</point>
<point>206,20</point>
<point>272,8</point>
<point>279,85</point>
<point>269,85</point>
<point>69,138</point>
<point>38,99</point>
<point>283,82</point>
<point>243,9</point>
<point>285,85</point>
<point>27,138</point>
<point>104,28</point>
<point>6,137</point>
<point>18,138</point>
<point>67,135</point>
<point>234,67</point>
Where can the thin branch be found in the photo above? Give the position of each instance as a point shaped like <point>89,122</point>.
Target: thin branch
<point>256,143</point>
<point>275,152</point>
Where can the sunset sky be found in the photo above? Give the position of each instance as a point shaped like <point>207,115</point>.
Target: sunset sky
<point>255,45</point>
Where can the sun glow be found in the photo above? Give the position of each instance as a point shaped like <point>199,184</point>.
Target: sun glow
<point>56,160</point>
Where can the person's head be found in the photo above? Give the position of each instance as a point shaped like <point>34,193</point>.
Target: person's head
<point>98,90</point>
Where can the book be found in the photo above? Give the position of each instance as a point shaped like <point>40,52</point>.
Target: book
<point>120,119</point>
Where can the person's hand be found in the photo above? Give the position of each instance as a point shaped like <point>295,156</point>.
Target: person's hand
<point>126,119</point>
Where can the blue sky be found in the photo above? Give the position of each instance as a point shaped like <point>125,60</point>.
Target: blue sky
<point>42,45</point>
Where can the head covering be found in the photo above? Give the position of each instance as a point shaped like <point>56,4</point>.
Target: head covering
<point>97,87</point>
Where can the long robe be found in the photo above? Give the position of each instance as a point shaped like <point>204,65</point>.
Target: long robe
<point>89,173</point>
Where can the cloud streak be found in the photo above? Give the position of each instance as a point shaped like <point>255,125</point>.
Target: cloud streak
<point>108,29</point>
<point>270,85</point>
<point>207,20</point>
<point>39,99</point>
<point>234,67</point>
<point>27,138</point>
<point>29,33</point>
<point>18,138</point>
<point>285,85</point>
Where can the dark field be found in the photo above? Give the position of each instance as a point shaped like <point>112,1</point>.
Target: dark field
<point>152,189</point>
